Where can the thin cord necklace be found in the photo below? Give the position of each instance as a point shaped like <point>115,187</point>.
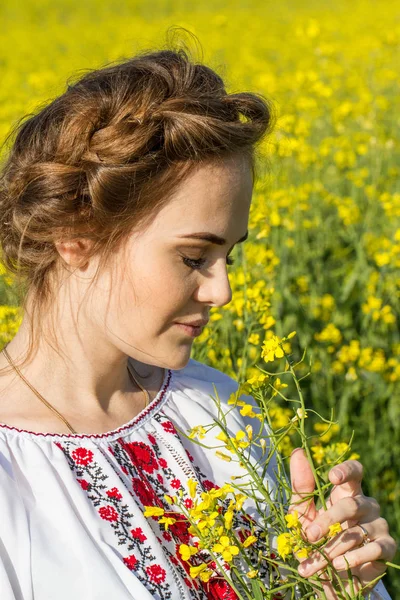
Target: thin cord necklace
<point>8,357</point>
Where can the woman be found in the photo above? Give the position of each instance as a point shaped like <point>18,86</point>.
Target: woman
<point>137,179</point>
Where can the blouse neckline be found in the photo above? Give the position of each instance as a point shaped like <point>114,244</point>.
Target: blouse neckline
<point>136,422</point>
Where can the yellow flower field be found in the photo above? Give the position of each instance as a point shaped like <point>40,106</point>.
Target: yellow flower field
<point>323,254</point>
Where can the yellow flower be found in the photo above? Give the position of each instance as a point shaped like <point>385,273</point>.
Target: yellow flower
<point>153,511</point>
<point>208,520</point>
<point>271,349</point>
<point>195,571</point>
<point>222,436</point>
<point>284,543</point>
<point>192,485</point>
<point>187,551</point>
<point>237,441</point>
<point>251,574</point>
<point>292,519</point>
<point>227,488</point>
<point>303,553</point>
<point>249,541</point>
<point>233,399</point>
<point>167,521</point>
<point>247,411</point>
<point>197,431</point>
<point>249,431</point>
<point>205,575</point>
<point>228,518</point>
<point>225,548</point>
<point>300,414</point>
<point>334,529</point>
<point>354,456</point>
<point>318,453</point>
<point>257,380</point>
<point>254,338</point>
<point>240,498</point>
<point>223,456</point>
<point>278,385</point>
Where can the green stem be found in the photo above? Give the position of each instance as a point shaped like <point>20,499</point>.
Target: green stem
<point>304,441</point>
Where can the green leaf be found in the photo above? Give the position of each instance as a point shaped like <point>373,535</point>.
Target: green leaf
<point>256,589</point>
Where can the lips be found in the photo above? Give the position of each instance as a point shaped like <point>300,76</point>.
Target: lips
<point>200,323</point>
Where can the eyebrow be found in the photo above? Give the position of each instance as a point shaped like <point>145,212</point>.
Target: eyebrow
<point>211,237</point>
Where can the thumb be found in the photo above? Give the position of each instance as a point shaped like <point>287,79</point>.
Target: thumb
<point>303,484</point>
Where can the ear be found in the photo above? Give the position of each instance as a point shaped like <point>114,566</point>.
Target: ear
<point>73,252</point>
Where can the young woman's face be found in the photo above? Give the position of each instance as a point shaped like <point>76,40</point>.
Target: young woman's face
<point>167,277</point>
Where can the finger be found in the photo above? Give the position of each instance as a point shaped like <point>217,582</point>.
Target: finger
<point>339,545</point>
<point>352,508</point>
<point>379,549</point>
<point>303,484</point>
<point>329,592</point>
<point>347,477</point>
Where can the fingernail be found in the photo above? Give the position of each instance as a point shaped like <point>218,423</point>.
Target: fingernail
<point>313,532</point>
<point>338,474</point>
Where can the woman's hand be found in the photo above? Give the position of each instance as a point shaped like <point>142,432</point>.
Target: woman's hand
<point>351,508</point>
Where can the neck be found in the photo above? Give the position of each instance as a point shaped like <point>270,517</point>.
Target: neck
<point>91,380</point>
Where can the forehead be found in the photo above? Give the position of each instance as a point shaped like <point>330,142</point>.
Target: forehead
<point>214,197</point>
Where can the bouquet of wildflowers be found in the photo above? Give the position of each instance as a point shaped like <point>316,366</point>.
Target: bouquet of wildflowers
<point>244,532</point>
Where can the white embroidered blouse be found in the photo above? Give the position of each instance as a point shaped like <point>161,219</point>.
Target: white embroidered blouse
<point>71,505</point>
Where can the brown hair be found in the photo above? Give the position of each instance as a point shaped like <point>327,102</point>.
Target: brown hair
<point>99,160</point>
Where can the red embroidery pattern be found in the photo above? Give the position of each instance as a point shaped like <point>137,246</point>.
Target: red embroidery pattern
<point>146,475</point>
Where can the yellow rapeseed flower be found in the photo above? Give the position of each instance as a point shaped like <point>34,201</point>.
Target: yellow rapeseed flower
<point>167,521</point>
<point>197,431</point>
<point>249,541</point>
<point>208,521</point>
<point>271,349</point>
<point>222,436</point>
<point>334,529</point>
<point>284,543</point>
<point>247,411</point>
<point>187,551</point>
<point>200,570</point>
<point>228,518</point>
<point>238,441</point>
<point>153,511</point>
<point>318,453</point>
<point>303,553</point>
<point>249,431</point>
<point>225,548</point>
<point>300,414</point>
<point>292,519</point>
<point>223,456</point>
<point>240,498</point>
<point>192,485</point>
<point>252,574</point>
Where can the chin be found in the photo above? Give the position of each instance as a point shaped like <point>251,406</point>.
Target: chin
<point>175,363</point>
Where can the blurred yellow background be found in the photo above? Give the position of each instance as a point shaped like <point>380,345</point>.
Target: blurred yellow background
<point>323,257</point>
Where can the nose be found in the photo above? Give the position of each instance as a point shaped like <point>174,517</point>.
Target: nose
<point>215,288</point>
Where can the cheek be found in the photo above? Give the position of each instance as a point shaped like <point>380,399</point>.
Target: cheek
<point>158,288</point>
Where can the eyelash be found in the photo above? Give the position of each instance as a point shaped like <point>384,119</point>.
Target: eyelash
<point>198,263</point>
